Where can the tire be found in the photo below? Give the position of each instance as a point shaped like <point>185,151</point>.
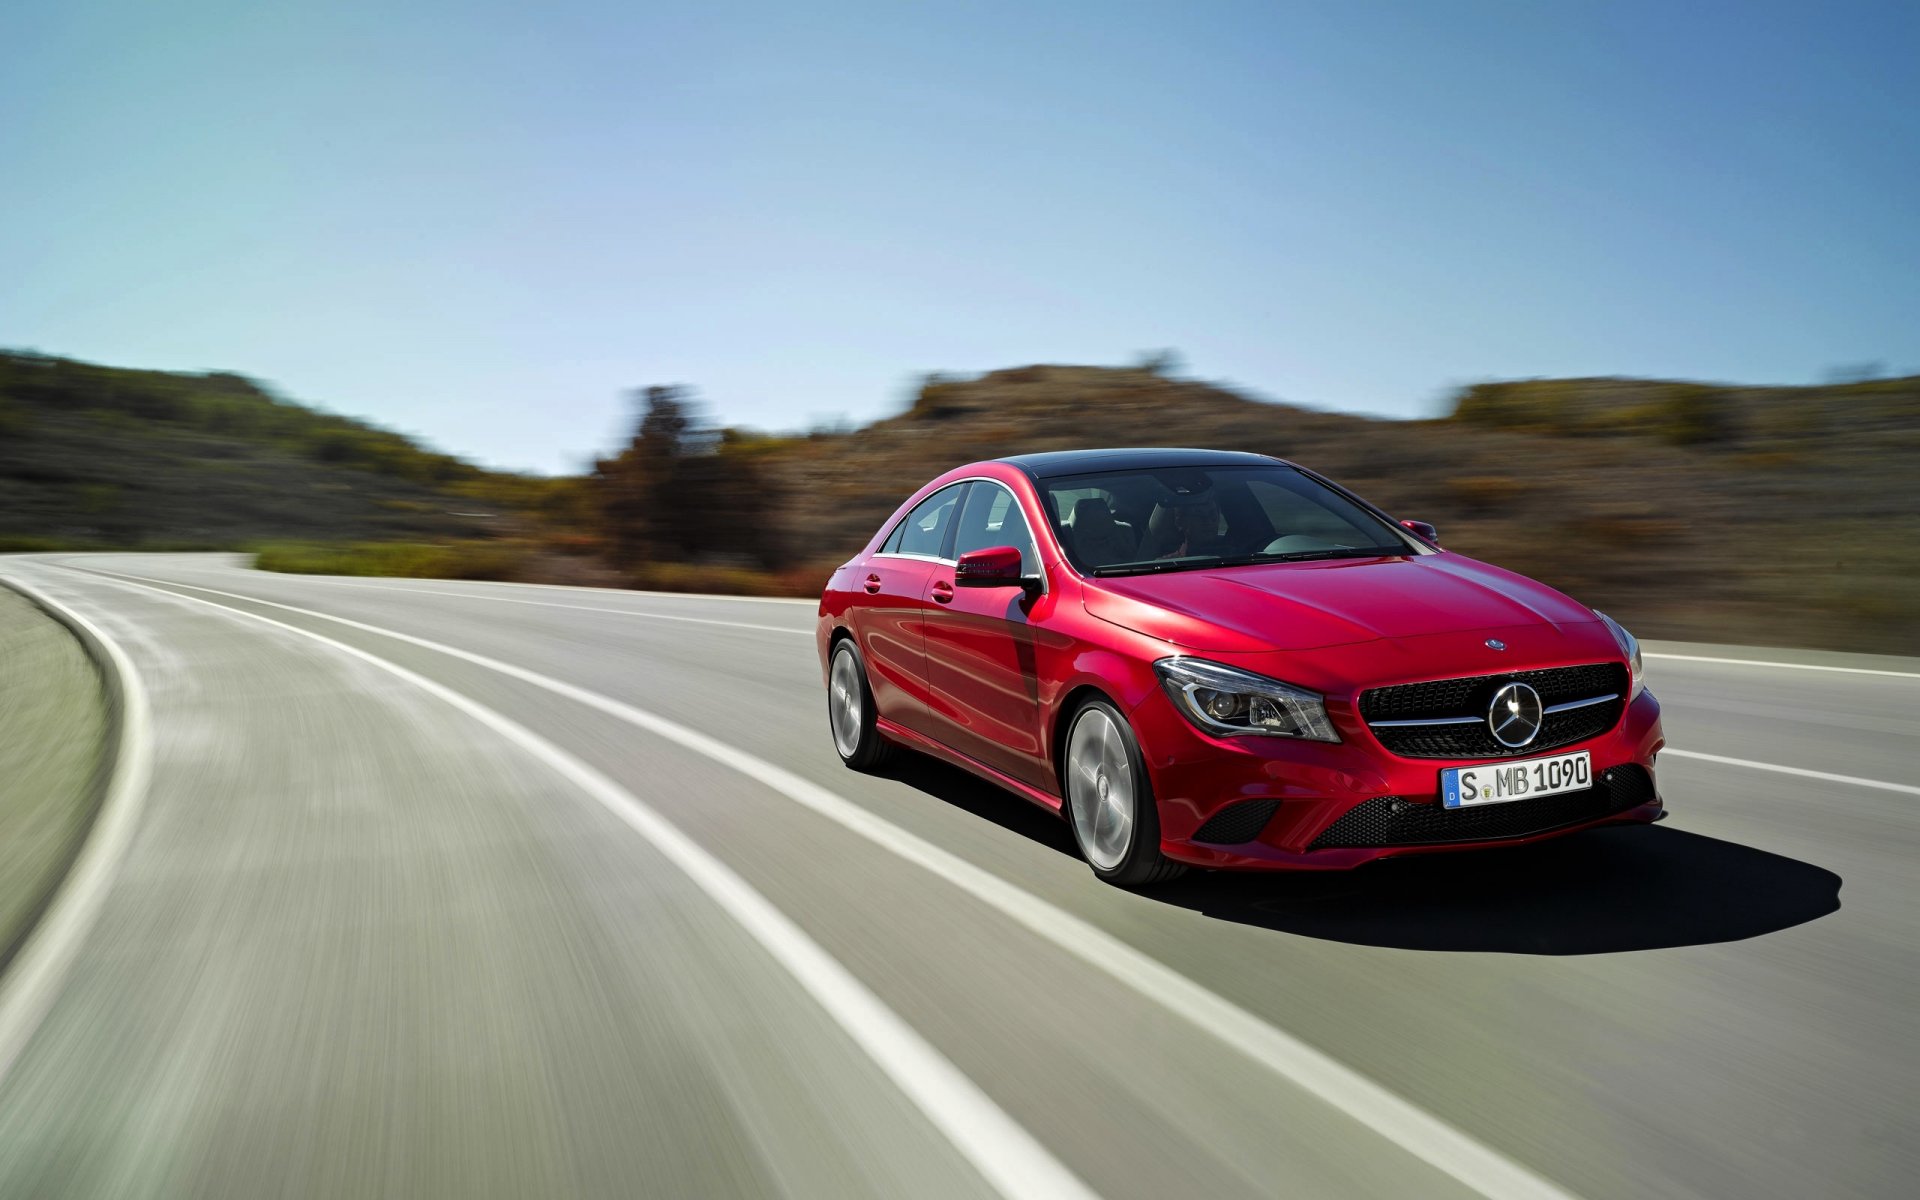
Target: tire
<point>1109,800</point>
<point>850,711</point>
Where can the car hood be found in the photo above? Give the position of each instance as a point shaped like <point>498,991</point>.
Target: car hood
<point>1302,606</point>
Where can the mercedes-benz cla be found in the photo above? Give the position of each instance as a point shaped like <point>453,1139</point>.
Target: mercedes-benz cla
<point>1225,660</point>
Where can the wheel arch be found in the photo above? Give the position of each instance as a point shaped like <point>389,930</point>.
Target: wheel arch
<point>1070,705</point>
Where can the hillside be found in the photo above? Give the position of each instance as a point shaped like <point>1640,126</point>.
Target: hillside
<point>1785,516</point>
<point>93,455</point>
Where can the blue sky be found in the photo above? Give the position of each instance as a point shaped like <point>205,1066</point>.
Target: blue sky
<point>483,223</point>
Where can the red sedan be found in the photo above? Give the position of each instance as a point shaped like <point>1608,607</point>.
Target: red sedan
<point>1225,660</point>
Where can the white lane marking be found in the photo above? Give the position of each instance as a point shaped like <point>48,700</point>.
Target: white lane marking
<point>1004,1153</point>
<point>1413,1129</point>
<point>401,584</point>
<point>35,976</point>
<point>609,591</point>
<point>1786,666</point>
<point>1829,777</point>
<point>624,612</point>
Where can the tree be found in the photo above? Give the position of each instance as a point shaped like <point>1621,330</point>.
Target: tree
<point>681,491</point>
<point>1164,363</point>
<point>636,487</point>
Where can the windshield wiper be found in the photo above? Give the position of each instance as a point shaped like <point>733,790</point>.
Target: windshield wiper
<point>1315,555</point>
<point>1164,565</point>
<point>1158,566</point>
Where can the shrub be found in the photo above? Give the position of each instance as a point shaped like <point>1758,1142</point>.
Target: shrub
<point>1539,405</point>
<point>415,560</point>
<point>1622,531</point>
<point>14,420</point>
<point>1695,415</point>
<point>21,543</point>
<point>707,577</point>
<point>1487,491</point>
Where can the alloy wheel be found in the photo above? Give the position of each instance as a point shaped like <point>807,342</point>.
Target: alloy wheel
<point>1100,789</point>
<point>843,703</point>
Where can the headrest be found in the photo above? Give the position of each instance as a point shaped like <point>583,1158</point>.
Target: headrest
<point>1091,516</point>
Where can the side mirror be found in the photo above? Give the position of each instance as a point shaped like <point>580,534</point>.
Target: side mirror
<point>993,567</point>
<point>1422,529</point>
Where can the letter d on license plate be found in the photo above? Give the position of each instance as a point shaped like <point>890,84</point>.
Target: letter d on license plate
<point>1497,783</point>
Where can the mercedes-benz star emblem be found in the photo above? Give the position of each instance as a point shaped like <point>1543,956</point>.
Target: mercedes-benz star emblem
<point>1496,644</point>
<point>1514,716</point>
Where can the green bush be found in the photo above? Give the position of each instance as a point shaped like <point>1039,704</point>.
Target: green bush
<point>1695,415</point>
<point>727,580</point>
<point>413,560</point>
<point>1487,492</point>
<point>1537,405</point>
<point>24,543</point>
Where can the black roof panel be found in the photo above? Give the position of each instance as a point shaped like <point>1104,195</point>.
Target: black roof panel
<point>1076,462</point>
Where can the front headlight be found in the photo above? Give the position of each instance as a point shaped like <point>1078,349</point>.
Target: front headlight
<point>1228,702</point>
<point>1629,646</point>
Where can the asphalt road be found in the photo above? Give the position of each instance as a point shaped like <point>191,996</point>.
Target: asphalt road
<point>513,891</point>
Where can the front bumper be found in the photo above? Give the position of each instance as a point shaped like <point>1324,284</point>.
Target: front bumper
<point>1331,806</point>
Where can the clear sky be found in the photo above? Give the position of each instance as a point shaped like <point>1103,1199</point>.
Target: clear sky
<point>483,223</point>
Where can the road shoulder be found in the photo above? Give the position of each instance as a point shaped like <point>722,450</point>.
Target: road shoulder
<point>54,759</point>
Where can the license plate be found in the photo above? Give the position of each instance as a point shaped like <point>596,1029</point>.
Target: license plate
<point>1498,783</point>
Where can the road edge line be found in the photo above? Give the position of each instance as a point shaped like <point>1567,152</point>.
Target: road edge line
<point>1007,1156</point>
<point>564,587</point>
<point>1784,666</point>
<point>1803,772</point>
<point>34,977</point>
<point>1399,1121</point>
<point>588,608</point>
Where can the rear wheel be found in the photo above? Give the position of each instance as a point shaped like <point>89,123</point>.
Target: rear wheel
<point>850,712</point>
<point>1110,802</point>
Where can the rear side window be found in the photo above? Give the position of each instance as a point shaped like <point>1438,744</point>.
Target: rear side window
<point>924,531</point>
<point>992,518</point>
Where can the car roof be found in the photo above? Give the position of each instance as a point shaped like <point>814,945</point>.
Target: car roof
<point>1076,462</point>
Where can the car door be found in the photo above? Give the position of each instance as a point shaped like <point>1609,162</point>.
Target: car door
<point>983,685</point>
<point>890,622</point>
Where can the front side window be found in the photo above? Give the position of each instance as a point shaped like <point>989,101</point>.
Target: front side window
<point>992,517</point>
<point>924,531</point>
<point>1189,518</point>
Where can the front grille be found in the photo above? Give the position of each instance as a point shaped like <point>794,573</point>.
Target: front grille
<point>1449,697</point>
<point>1394,821</point>
<point>1469,697</point>
<point>1237,823</point>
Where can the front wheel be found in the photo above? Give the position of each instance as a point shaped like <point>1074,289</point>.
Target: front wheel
<point>1110,801</point>
<point>850,712</point>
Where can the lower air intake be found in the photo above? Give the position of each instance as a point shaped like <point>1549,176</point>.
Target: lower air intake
<point>1393,821</point>
<point>1237,823</point>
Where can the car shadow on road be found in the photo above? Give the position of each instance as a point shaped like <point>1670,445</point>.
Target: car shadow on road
<point>1602,891</point>
<point>971,794</point>
<point>1609,890</point>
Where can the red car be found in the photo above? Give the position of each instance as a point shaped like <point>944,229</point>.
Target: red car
<point>1225,660</point>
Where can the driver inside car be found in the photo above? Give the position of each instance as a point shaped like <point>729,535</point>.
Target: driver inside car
<point>1195,529</point>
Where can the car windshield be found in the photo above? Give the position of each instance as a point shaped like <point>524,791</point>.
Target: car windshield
<point>1192,518</point>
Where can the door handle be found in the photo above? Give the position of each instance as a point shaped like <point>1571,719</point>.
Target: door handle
<point>942,591</point>
<point>873,585</point>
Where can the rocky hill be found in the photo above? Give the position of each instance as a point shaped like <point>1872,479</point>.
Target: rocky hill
<point>1766,515</point>
<point>106,456</point>
<point>1786,516</point>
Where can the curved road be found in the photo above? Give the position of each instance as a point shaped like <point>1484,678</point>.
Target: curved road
<point>488,890</point>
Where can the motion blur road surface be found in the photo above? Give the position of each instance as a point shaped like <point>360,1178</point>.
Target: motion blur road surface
<point>390,934</point>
